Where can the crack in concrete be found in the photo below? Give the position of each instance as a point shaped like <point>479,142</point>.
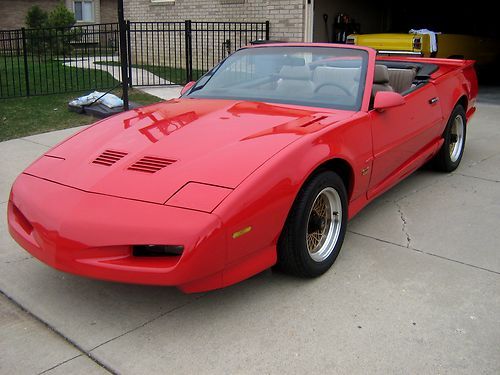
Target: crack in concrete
<point>478,178</point>
<point>424,252</point>
<point>88,353</point>
<point>473,164</point>
<point>60,334</point>
<point>37,143</point>
<point>17,260</point>
<point>149,321</point>
<point>405,224</point>
<point>60,364</point>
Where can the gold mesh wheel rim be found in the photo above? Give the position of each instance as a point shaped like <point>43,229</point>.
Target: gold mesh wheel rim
<point>324,224</point>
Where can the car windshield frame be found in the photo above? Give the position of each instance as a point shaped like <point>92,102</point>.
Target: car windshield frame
<point>289,66</point>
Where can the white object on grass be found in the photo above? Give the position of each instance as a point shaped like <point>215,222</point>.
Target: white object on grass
<point>109,100</point>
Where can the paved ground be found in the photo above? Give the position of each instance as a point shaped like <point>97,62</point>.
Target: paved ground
<point>164,92</point>
<point>416,289</point>
<point>139,76</point>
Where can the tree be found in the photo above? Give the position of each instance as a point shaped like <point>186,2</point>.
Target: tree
<point>36,17</point>
<point>61,17</point>
<point>52,32</point>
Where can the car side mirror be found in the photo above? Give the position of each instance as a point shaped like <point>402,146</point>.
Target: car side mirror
<point>387,99</point>
<point>188,87</point>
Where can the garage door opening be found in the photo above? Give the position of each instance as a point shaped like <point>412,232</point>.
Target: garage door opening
<point>331,21</point>
<point>334,20</point>
<point>329,17</point>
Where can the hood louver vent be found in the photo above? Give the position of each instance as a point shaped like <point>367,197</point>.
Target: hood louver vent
<point>150,164</point>
<point>109,157</point>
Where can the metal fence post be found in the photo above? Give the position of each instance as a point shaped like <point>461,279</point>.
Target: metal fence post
<point>189,50</point>
<point>268,27</point>
<point>25,58</point>
<point>122,28</point>
<point>129,54</point>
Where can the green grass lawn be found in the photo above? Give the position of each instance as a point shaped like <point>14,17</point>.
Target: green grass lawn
<point>47,77</point>
<point>24,116</point>
<point>20,117</point>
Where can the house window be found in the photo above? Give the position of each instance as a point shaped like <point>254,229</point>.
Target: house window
<point>84,10</point>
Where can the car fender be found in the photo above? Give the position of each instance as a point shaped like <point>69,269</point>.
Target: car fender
<point>455,86</point>
<point>260,205</point>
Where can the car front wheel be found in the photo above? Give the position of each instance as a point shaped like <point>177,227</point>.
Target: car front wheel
<point>315,228</point>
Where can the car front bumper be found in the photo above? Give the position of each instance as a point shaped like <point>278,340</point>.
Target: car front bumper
<point>92,235</point>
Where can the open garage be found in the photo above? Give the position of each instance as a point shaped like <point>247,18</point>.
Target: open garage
<point>333,21</point>
<point>390,16</point>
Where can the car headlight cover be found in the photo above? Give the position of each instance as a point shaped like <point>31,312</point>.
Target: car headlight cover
<point>199,196</point>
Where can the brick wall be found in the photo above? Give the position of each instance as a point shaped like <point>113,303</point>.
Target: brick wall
<point>108,11</point>
<point>286,16</point>
<point>14,11</point>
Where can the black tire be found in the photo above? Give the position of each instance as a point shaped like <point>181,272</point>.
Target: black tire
<point>443,161</point>
<point>293,254</point>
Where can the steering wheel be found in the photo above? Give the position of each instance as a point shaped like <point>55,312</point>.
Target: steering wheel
<point>335,85</point>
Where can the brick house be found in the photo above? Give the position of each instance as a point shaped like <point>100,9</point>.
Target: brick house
<point>315,20</point>
<point>286,16</point>
<point>291,20</point>
<point>86,11</point>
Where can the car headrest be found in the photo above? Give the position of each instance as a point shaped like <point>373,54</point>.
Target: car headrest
<point>295,72</point>
<point>381,75</point>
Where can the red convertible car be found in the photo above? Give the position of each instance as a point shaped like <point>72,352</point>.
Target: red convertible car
<point>260,163</point>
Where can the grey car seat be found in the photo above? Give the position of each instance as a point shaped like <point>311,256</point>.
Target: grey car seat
<point>336,81</point>
<point>401,79</point>
<point>295,80</point>
<point>381,80</point>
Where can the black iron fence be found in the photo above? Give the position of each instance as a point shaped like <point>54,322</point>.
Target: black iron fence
<point>59,60</point>
<point>164,53</point>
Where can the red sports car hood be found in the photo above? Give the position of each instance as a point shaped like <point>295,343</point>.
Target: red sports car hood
<point>150,153</point>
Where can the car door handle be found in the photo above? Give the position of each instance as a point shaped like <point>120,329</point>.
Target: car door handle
<point>434,100</point>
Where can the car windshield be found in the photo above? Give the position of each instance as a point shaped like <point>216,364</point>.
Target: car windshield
<point>326,77</point>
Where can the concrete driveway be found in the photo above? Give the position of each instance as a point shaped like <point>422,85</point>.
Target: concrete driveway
<point>416,289</point>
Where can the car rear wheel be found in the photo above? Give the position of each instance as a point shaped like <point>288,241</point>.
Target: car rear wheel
<point>315,228</point>
<point>449,156</point>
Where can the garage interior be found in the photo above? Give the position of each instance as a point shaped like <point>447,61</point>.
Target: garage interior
<point>333,20</point>
<point>389,16</point>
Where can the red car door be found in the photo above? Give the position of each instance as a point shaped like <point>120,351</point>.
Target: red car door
<point>401,134</point>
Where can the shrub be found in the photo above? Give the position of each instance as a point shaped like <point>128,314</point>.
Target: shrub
<point>36,17</point>
<point>52,33</point>
<point>61,17</point>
